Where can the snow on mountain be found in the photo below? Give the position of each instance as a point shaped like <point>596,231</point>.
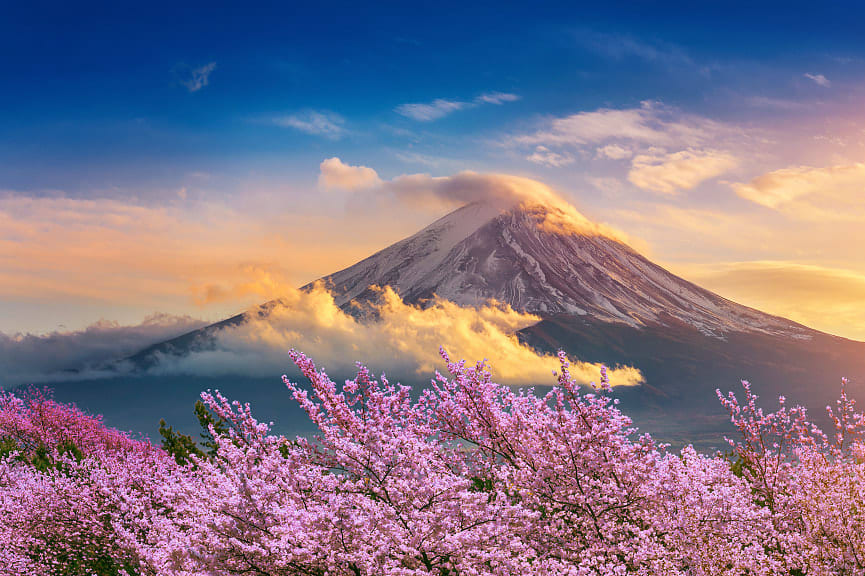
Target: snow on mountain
<point>527,256</point>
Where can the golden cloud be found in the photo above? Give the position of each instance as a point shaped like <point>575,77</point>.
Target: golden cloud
<point>828,299</point>
<point>809,193</point>
<point>684,170</point>
<point>403,337</point>
<point>448,192</point>
<point>121,253</point>
<point>334,174</point>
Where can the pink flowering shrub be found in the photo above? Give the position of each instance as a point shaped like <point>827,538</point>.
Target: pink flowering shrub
<point>811,483</point>
<point>69,487</point>
<point>468,478</point>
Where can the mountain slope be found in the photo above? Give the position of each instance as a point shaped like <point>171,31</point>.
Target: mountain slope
<point>521,257</point>
<point>600,301</point>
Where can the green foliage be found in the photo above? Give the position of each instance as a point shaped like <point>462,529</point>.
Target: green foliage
<point>7,447</point>
<point>42,458</point>
<point>183,446</point>
<point>205,420</point>
<point>100,564</point>
<point>482,484</point>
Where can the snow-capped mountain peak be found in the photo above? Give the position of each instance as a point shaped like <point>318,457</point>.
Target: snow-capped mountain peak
<point>547,260</point>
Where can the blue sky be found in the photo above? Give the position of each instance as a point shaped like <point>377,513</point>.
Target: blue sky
<point>157,158</point>
<point>102,96</point>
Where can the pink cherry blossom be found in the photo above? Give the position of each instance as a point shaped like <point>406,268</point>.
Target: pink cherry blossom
<point>465,477</point>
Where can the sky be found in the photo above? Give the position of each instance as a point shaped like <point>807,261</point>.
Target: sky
<point>162,166</point>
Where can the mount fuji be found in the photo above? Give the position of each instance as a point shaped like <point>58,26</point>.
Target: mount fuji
<point>599,300</point>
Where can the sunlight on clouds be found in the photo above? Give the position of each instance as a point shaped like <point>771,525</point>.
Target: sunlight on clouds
<point>130,256</point>
<point>403,337</point>
<point>669,173</point>
<point>644,137</point>
<point>449,192</point>
<point>546,157</point>
<point>652,124</point>
<point>828,299</point>
<point>613,152</point>
<point>334,174</point>
<point>139,258</point>
<point>809,193</point>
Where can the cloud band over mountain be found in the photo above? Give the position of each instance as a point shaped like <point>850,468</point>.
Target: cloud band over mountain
<point>402,337</point>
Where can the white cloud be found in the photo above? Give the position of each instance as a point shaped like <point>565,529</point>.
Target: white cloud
<point>650,124</point>
<point>31,358</point>
<point>609,186</point>
<point>198,78</point>
<point>335,175</point>
<point>810,193</point>
<point>777,103</point>
<point>620,46</point>
<point>496,98</point>
<point>325,124</point>
<point>401,337</point>
<point>423,159</point>
<point>644,135</point>
<point>447,192</point>
<point>684,170</point>
<point>441,107</point>
<point>434,110</point>
<point>818,79</point>
<point>546,157</point>
<point>613,152</point>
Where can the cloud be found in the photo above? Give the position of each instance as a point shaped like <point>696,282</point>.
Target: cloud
<point>327,124</point>
<point>684,170</point>
<point>809,193</point>
<point>825,298</point>
<point>30,358</point>
<point>546,157</point>
<point>620,46</point>
<point>818,79</point>
<point>645,135</point>
<point>434,110</point>
<point>503,191</point>
<point>496,98</point>
<point>79,255</point>
<point>197,78</point>
<point>401,337</point>
<point>334,174</point>
<point>613,152</point>
<point>650,124</point>
<point>423,159</point>
<point>777,104</point>
<point>135,258</point>
<point>441,107</point>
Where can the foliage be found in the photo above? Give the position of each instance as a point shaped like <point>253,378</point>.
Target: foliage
<point>183,446</point>
<point>467,478</point>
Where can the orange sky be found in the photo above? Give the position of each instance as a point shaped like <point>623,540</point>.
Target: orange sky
<point>210,259</point>
<point>768,215</point>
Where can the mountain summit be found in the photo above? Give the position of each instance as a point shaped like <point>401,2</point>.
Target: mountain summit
<point>542,260</point>
<point>598,300</point>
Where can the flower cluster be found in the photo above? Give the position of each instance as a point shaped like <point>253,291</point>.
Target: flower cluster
<point>467,478</point>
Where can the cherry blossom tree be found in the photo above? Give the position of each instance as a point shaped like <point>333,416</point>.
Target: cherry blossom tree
<point>466,477</point>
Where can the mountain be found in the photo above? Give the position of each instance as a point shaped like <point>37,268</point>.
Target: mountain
<point>518,256</point>
<point>599,300</point>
